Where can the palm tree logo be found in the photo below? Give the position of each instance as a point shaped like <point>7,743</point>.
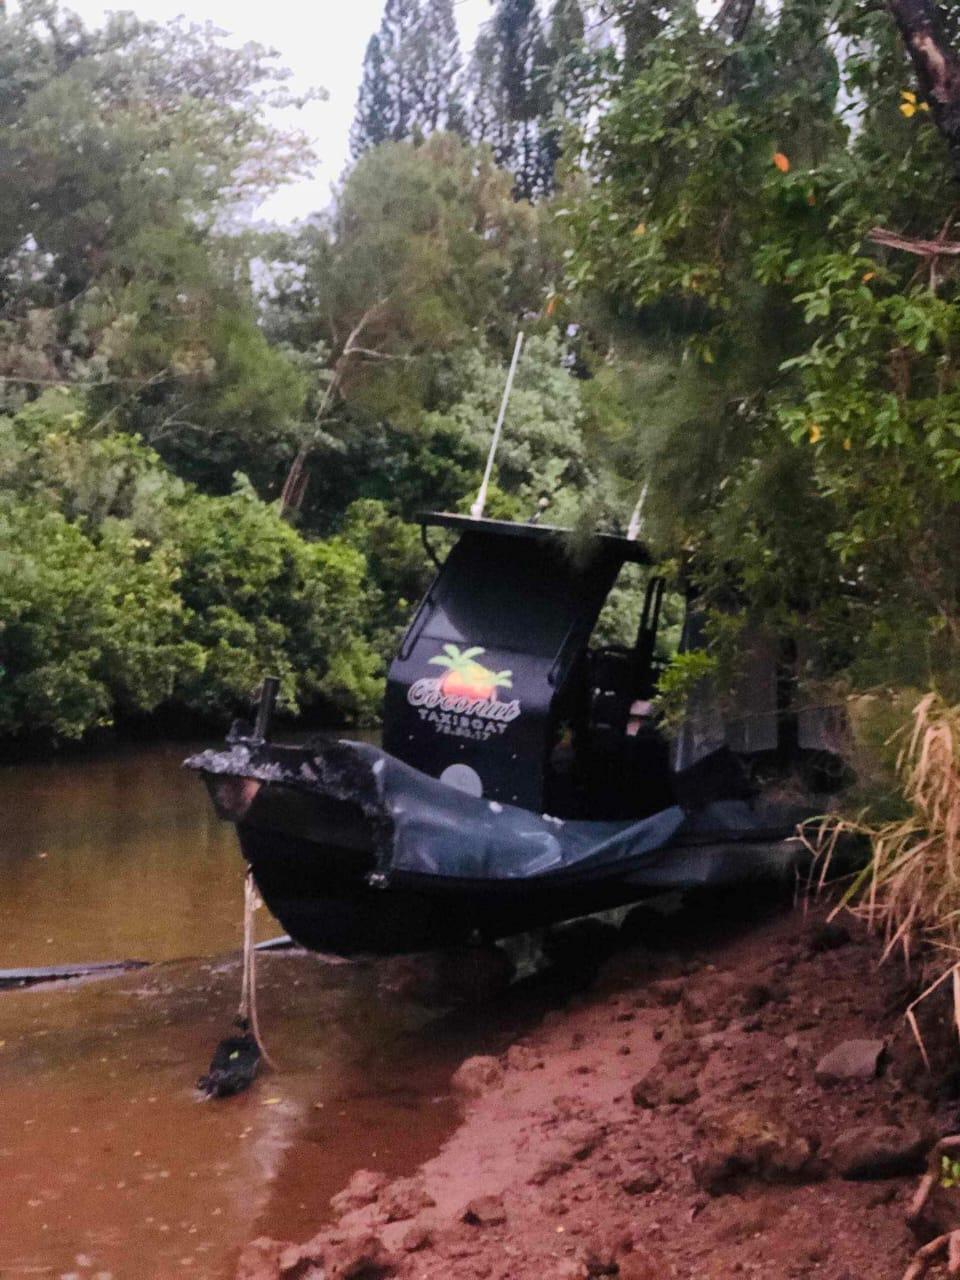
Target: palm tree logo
<point>466,678</point>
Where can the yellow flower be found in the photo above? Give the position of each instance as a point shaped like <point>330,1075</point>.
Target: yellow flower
<point>781,161</point>
<point>908,109</point>
<point>907,96</point>
<point>848,444</point>
<point>640,229</point>
<point>867,276</point>
<point>816,432</point>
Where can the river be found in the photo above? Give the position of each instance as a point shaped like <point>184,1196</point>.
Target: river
<point>111,1165</point>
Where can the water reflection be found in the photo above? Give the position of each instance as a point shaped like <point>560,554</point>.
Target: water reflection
<point>111,858</point>
<point>106,1154</point>
<point>110,1165</point>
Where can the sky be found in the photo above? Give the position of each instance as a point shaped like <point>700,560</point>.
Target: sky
<point>322,43</point>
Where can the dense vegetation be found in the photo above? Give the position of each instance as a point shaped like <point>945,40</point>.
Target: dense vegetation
<point>729,241</point>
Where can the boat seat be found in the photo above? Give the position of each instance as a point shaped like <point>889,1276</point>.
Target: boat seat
<point>612,681</point>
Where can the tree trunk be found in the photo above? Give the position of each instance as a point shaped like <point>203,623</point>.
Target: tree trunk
<point>937,66</point>
<point>295,485</point>
<point>733,18</point>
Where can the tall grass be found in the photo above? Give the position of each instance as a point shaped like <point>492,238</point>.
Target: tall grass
<point>910,889</point>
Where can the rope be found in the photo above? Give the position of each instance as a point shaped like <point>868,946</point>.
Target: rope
<point>248,987</point>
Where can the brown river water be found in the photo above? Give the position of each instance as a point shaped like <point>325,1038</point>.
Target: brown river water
<point>111,1167</point>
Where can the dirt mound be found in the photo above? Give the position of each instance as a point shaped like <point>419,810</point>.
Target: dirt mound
<point>670,1123</point>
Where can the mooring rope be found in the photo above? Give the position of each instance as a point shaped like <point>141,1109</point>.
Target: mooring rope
<point>248,986</point>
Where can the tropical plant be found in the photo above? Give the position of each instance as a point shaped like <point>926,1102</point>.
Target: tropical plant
<point>910,889</point>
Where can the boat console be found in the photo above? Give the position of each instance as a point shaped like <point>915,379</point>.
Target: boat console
<point>497,691</point>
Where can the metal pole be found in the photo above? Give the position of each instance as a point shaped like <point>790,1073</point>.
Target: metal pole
<point>477,509</point>
<point>636,520</point>
<point>268,700</point>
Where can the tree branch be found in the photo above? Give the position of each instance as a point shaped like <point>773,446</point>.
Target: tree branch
<point>733,18</point>
<point>377,355</point>
<point>922,248</point>
<point>936,64</point>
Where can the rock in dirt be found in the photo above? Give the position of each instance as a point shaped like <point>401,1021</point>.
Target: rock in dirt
<point>757,995</point>
<point>598,1259</point>
<point>416,1238</point>
<point>851,1060</point>
<point>581,1139</point>
<point>828,936</point>
<point>745,1144</point>
<point>485,1211</point>
<point>682,1052</point>
<point>555,1162</point>
<point>404,1199</point>
<point>363,1259</point>
<point>260,1260</point>
<point>522,1058</point>
<point>365,1187</point>
<point>879,1151</point>
<point>667,991</point>
<point>641,1183</point>
<point>477,1075</point>
<point>295,1266</point>
<point>643,1265</point>
<point>662,1086</point>
<point>706,996</point>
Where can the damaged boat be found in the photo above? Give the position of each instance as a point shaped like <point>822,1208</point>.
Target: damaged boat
<point>523,779</point>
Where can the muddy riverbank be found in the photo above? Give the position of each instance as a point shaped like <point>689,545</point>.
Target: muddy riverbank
<point>582,1143</point>
<point>111,1164</point>
<point>678,1120</point>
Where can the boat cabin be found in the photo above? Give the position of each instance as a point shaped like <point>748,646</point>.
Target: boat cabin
<point>499,689</point>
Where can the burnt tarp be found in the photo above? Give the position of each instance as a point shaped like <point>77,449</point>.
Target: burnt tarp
<point>425,828</point>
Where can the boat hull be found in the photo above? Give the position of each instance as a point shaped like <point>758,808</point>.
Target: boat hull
<point>325,902</point>
<point>323,848</point>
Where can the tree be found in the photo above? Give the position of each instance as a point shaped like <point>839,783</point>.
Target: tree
<point>125,154</point>
<point>424,251</point>
<point>126,591</point>
<point>731,226</point>
<point>570,72</point>
<point>440,105</point>
<point>936,63</point>
<point>510,91</point>
<point>411,75</point>
<point>371,124</point>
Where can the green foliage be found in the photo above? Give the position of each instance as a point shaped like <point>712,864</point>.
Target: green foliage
<point>411,75</point>
<point>125,152</point>
<point>542,449</point>
<point>90,628</point>
<point>734,187</point>
<point>399,570</point>
<point>124,589</point>
<point>678,682</point>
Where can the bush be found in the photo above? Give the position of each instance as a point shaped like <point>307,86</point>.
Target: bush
<point>123,589</point>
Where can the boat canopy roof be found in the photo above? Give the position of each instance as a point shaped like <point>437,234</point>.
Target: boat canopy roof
<point>626,549</point>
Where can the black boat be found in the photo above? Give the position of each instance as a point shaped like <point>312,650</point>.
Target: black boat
<point>523,779</point>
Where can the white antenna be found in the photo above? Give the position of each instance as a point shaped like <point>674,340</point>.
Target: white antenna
<point>636,520</point>
<point>477,509</point>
